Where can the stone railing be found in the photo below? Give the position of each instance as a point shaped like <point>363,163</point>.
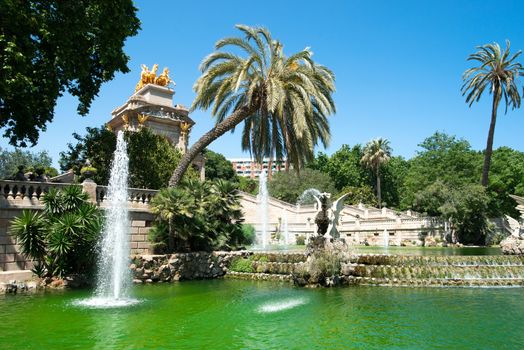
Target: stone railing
<point>25,193</point>
<point>138,198</point>
<point>28,194</point>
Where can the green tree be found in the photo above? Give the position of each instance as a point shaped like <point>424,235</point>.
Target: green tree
<point>152,158</point>
<point>288,186</point>
<point>218,167</point>
<point>498,71</point>
<point>11,160</point>
<point>344,167</point>
<point>506,177</point>
<point>266,85</point>
<point>376,154</point>
<point>51,47</point>
<point>443,157</point>
<point>97,145</point>
<point>466,207</point>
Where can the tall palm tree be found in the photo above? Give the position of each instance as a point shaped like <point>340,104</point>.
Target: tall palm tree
<point>497,70</point>
<point>376,153</point>
<point>263,85</point>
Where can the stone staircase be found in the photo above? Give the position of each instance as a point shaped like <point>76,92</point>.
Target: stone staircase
<point>395,270</point>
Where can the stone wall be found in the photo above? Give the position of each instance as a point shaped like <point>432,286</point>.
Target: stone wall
<point>10,258</point>
<point>182,266</point>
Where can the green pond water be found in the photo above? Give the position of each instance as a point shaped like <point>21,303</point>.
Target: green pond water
<point>232,314</point>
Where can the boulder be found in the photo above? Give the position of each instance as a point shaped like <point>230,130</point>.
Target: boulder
<point>512,246</point>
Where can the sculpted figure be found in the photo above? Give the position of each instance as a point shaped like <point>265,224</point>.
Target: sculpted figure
<point>322,217</point>
<point>152,75</point>
<point>327,217</point>
<point>163,79</point>
<point>334,215</point>
<point>144,75</point>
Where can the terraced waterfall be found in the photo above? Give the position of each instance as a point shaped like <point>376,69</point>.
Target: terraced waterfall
<point>394,270</point>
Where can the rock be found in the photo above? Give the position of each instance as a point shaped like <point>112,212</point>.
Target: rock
<point>512,246</point>
<point>430,241</point>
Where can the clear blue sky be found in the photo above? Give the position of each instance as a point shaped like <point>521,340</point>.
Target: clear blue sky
<point>398,65</point>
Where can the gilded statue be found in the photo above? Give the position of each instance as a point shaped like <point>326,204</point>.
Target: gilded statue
<point>142,118</point>
<point>146,76</point>
<point>163,79</point>
<point>184,127</point>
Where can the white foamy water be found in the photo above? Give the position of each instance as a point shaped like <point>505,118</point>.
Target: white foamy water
<point>276,306</point>
<point>263,211</point>
<point>105,303</point>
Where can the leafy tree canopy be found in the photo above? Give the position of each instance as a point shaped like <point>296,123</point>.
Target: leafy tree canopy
<point>218,167</point>
<point>51,47</point>
<point>445,158</point>
<point>152,158</point>
<point>288,186</point>
<point>11,160</point>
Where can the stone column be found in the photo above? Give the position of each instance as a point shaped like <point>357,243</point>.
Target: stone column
<point>89,187</point>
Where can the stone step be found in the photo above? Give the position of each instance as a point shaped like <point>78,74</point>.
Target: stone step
<point>19,275</point>
<point>436,282</point>
<point>449,272</point>
<point>408,260</point>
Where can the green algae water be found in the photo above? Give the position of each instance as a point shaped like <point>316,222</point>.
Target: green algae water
<point>232,314</point>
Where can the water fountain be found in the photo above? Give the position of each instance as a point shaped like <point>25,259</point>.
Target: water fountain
<point>285,229</point>
<point>114,277</point>
<point>386,238</point>
<point>263,196</point>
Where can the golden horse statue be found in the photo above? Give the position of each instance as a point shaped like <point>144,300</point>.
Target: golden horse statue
<point>163,79</point>
<point>146,76</point>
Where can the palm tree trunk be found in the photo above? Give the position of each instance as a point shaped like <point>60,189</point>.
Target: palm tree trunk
<point>379,194</point>
<point>491,133</point>
<point>219,130</point>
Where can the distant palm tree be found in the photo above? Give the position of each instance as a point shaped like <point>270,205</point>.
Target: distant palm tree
<point>376,153</point>
<point>498,71</point>
<point>263,87</point>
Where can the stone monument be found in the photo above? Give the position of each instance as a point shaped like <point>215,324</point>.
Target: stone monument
<point>151,106</point>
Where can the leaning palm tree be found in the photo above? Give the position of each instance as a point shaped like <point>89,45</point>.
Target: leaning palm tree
<point>376,153</point>
<point>497,70</point>
<point>259,85</point>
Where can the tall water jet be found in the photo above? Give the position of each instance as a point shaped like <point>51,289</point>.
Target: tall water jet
<point>285,229</point>
<point>386,238</point>
<point>263,235</point>
<point>114,276</point>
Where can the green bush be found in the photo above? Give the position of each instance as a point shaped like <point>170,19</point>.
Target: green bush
<point>199,216</point>
<point>241,265</point>
<point>301,240</point>
<point>62,239</point>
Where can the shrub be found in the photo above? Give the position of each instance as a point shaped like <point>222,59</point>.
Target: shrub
<point>301,240</point>
<point>62,239</point>
<point>240,264</point>
<point>199,216</point>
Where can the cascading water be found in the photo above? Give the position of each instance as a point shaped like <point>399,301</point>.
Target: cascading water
<point>114,276</point>
<point>263,235</point>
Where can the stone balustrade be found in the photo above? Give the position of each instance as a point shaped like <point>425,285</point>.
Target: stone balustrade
<point>137,198</point>
<point>25,194</point>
